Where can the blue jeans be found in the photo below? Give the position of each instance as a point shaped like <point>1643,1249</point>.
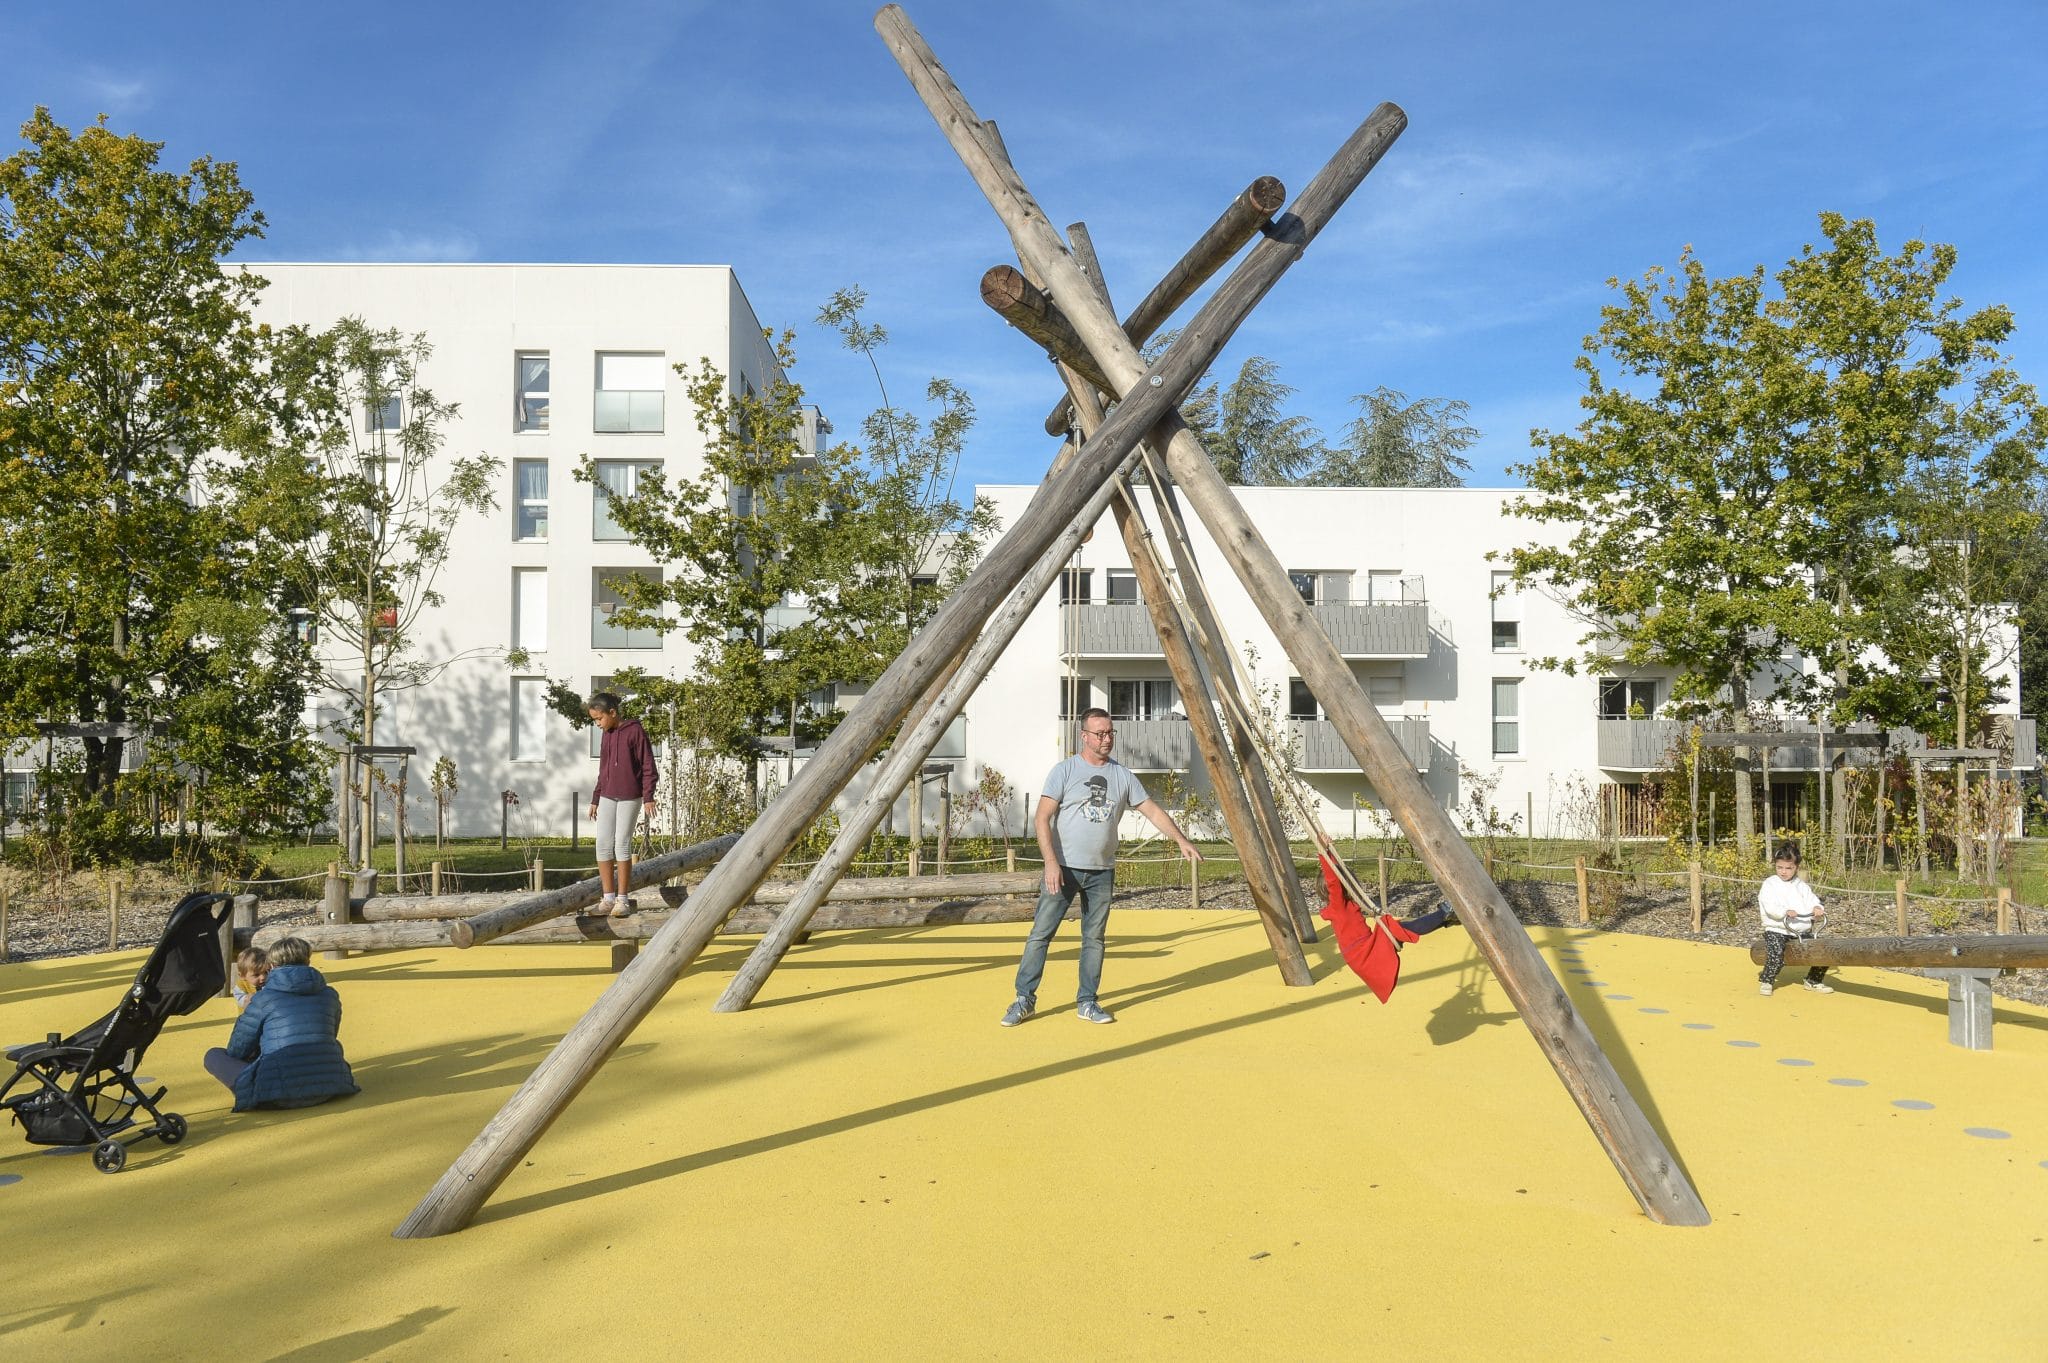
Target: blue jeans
<point>1094,887</point>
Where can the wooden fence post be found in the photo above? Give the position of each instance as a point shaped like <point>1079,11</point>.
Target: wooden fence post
<point>334,911</point>
<point>1489,863</point>
<point>434,879</point>
<point>538,872</point>
<point>3,920</point>
<point>916,861</point>
<point>1194,884</point>
<point>1384,908</point>
<point>1010,857</point>
<point>1585,908</point>
<point>1698,895</point>
<point>2004,909</point>
<point>114,916</point>
<point>243,918</point>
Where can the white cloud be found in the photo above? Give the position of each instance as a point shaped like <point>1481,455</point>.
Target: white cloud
<point>399,244</point>
<point>113,94</point>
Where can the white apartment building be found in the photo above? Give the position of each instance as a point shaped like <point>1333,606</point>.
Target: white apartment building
<point>1400,579</point>
<point>547,363</point>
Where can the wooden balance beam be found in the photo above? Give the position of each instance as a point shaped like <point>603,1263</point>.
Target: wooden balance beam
<point>1969,964</point>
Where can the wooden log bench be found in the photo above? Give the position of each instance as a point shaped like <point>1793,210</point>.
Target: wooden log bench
<point>1968,964</point>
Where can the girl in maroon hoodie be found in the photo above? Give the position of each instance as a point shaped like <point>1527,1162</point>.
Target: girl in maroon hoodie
<point>625,782</point>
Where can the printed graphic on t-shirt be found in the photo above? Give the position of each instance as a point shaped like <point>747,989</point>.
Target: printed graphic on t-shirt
<point>1096,810</point>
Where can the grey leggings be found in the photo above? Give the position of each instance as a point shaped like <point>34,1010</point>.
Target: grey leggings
<point>615,828</point>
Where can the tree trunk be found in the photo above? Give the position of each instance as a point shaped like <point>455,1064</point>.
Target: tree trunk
<point>1745,797</point>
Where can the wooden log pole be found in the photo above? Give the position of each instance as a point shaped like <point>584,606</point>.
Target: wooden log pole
<point>1585,903</point>
<point>1696,892</point>
<point>538,908</point>
<point>1899,906</point>
<point>2004,909</point>
<point>1225,237</point>
<point>1386,904</point>
<point>1983,951</point>
<point>334,910</point>
<point>1005,289</point>
<point>3,921</point>
<point>434,879</point>
<point>1077,493</point>
<point>114,916</point>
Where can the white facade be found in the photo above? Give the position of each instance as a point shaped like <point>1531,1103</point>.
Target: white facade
<point>528,574</point>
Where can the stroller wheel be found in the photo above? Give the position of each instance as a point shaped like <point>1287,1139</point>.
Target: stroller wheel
<point>109,1157</point>
<point>171,1129</point>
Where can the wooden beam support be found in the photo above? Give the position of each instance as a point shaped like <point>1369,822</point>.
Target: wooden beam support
<point>1246,217</point>
<point>1034,313</point>
<point>1639,1154</point>
<point>1981,952</point>
<point>538,908</point>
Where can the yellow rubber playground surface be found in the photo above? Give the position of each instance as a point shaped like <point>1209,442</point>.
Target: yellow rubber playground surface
<point>866,1166</point>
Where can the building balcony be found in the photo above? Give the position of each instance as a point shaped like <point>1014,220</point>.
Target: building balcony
<point>1108,629</point>
<point>1639,744</point>
<point>1155,744</point>
<point>1360,629</point>
<point>1321,750</point>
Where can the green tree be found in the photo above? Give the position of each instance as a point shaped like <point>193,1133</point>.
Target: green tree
<point>128,596</point>
<point>1398,442</point>
<point>352,468</point>
<point>1250,437</point>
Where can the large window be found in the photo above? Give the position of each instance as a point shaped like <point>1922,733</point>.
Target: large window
<point>387,415</point>
<point>530,404</point>
<point>1076,695</point>
<point>1507,614</point>
<point>529,719</point>
<point>1074,586</point>
<point>615,478</point>
<point>1386,585</point>
<point>529,499</point>
<point>1301,702</point>
<point>606,602</point>
<point>530,609</point>
<point>1627,698</point>
<point>1507,717</point>
<point>1386,686</point>
<point>1144,699</point>
<point>629,389</point>
<point>1122,586</point>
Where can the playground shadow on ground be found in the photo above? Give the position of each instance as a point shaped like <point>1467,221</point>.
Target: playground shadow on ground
<point>1936,1004</point>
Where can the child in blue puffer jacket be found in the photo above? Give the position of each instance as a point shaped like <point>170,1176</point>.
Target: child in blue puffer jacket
<point>285,1050</point>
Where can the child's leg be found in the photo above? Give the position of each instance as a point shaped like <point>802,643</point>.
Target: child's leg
<point>1774,956</point>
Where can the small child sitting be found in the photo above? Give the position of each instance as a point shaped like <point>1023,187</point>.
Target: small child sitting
<point>1790,909</point>
<point>252,967</point>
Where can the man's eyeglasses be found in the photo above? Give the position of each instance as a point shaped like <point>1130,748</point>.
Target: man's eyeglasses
<point>1100,733</point>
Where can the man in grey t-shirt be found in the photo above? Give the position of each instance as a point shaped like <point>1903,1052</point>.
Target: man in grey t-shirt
<point>1084,799</point>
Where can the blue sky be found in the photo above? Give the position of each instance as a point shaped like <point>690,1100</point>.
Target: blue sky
<point>1549,149</point>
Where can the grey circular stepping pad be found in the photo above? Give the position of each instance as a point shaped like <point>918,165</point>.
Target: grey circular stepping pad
<point>1746,1045</point>
<point>1988,1133</point>
<point>1850,1083</point>
<point>6,1179</point>
<point>1594,984</point>
<point>1913,1104</point>
<point>1653,1010</point>
<point>1621,998</point>
<point>1698,1026</point>
<point>1793,1060</point>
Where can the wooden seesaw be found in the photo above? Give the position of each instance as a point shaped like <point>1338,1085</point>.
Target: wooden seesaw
<point>1969,964</point>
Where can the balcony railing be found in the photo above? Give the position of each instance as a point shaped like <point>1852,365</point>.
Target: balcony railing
<point>1155,744</point>
<point>1639,744</point>
<point>1107,629</point>
<point>1323,751</point>
<point>1376,629</point>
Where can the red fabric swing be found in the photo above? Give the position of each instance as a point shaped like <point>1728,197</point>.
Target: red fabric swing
<point>1372,950</point>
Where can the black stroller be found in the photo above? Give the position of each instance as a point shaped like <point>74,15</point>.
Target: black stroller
<point>85,1090</point>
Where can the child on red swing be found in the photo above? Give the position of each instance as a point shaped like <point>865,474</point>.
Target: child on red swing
<point>1790,909</point>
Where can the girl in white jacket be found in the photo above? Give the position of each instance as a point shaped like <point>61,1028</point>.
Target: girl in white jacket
<point>1790,909</point>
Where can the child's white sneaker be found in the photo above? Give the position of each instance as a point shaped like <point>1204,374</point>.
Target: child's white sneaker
<point>605,906</point>
<point>1766,988</point>
<point>1819,986</point>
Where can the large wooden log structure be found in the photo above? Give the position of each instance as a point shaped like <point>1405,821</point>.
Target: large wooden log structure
<point>1071,499</point>
<point>1637,1150</point>
<point>1987,951</point>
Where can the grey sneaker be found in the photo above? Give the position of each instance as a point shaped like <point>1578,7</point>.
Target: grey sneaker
<point>1819,986</point>
<point>1092,1011</point>
<point>1766,987</point>
<point>1020,1011</point>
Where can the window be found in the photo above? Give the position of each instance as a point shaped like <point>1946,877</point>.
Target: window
<point>1301,702</point>
<point>1384,584</point>
<point>529,719</point>
<point>1507,718</point>
<point>387,415</point>
<point>1145,699</point>
<point>629,389</point>
<point>1076,695</point>
<point>530,402</point>
<point>1074,585</point>
<point>1305,583</point>
<point>615,478</point>
<point>606,602</point>
<point>17,793</point>
<point>1386,688</point>
<point>303,626</point>
<point>1122,586</point>
<point>1626,698</point>
<point>529,499</point>
<point>530,609</point>
<point>1507,614</point>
